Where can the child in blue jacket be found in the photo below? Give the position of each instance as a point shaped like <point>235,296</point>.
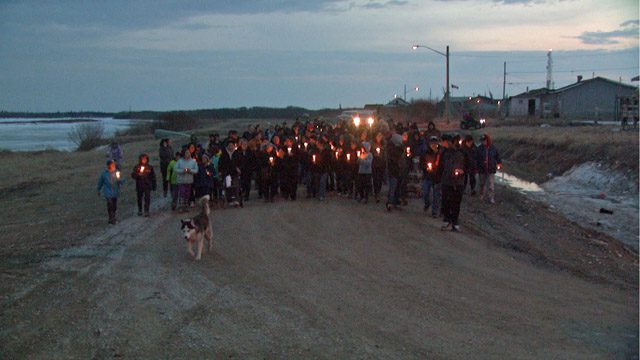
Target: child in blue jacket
<point>109,184</point>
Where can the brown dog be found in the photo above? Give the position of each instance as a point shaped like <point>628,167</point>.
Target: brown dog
<point>197,229</point>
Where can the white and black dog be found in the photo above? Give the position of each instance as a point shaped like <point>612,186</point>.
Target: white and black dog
<point>197,229</point>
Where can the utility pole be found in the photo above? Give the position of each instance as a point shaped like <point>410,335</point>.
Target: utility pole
<point>446,103</point>
<point>504,81</point>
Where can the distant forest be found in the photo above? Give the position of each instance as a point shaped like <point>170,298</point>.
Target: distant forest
<point>290,112</point>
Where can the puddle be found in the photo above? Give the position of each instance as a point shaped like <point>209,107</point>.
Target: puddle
<point>518,184</point>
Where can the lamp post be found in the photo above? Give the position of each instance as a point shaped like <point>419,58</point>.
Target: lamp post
<point>446,93</point>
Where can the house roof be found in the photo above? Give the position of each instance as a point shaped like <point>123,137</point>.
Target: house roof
<point>397,102</point>
<point>545,91</point>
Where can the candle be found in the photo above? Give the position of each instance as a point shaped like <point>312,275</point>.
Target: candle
<point>305,145</point>
<point>370,121</point>
<point>289,150</point>
<point>208,173</point>
<point>337,154</point>
<point>457,172</point>
<point>499,166</point>
<point>408,151</point>
<point>118,175</point>
<point>296,138</point>
<point>271,160</point>
<point>356,121</point>
<point>358,152</point>
<point>429,166</point>
<point>348,157</point>
<point>314,158</point>
<point>141,169</point>
<point>378,150</point>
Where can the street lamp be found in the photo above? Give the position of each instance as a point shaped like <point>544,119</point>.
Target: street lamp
<point>446,93</point>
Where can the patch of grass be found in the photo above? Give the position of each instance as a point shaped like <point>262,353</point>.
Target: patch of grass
<point>557,149</point>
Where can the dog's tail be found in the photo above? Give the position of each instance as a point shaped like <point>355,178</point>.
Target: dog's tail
<point>204,202</point>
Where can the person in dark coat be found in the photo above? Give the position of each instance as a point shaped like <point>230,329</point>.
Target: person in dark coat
<point>488,162</point>
<point>289,174</point>
<point>204,179</point>
<point>268,164</point>
<point>470,152</point>
<point>166,155</point>
<point>451,168</point>
<point>145,179</point>
<point>395,158</point>
<point>429,164</point>
<point>248,164</point>
<point>319,165</point>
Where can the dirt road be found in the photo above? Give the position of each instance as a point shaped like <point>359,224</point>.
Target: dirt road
<point>311,280</point>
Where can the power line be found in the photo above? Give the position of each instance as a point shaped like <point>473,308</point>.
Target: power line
<point>571,71</point>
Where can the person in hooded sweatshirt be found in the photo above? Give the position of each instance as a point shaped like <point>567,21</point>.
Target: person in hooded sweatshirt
<point>109,184</point>
<point>488,162</point>
<point>365,161</point>
<point>451,168</point>
<point>185,169</point>
<point>145,179</point>
<point>429,164</point>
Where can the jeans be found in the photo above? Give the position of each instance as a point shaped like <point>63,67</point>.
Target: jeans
<point>146,193</point>
<point>487,189</point>
<point>184,192</point>
<point>394,191</point>
<point>431,196</point>
<point>112,206</point>
<point>322,186</point>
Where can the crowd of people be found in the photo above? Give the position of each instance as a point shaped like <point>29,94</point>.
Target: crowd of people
<point>348,159</point>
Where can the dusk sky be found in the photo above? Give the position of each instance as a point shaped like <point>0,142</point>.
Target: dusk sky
<point>163,55</point>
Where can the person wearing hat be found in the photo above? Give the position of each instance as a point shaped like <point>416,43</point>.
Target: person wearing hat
<point>488,162</point>
<point>470,152</point>
<point>429,162</point>
<point>145,179</point>
<point>109,184</point>
<point>379,165</point>
<point>451,168</point>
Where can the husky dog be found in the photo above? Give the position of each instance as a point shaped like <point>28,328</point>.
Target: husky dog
<point>197,229</point>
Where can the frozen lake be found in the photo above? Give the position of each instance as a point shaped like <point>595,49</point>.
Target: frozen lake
<point>33,134</point>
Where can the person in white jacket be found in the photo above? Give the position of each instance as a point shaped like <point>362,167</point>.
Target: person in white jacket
<point>185,168</point>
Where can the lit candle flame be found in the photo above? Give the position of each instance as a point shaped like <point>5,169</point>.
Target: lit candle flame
<point>289,149</point>
<point>358,152</point>
<point>378,150</point>
<point>370,121</point>
<point>356,121</point>
<point>141,169</point>
<point>118,174</point>
<point>348,157</point>
<point>314,158</point>
<point>429,166</point>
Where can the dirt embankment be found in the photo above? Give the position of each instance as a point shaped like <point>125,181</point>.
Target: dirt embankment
<point>537,154</point>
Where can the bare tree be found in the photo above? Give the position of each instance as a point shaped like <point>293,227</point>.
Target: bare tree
<point>87,136</point>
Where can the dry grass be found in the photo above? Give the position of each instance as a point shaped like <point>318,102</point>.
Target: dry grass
<point>540,151</point>
<point>48,200</point>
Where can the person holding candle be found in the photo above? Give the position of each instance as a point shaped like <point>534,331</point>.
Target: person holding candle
<point>109,184</point>
<point>204,180</point>
<point>429,162</point>
<point>365,161</point>
<point>451,167</point>
<point>229,167</point>
<point>289,173</point>
<point>185,169</point>
<point>379,164</point>
<point>268,165</point>
<point>470,152</point>
<point>488,162</point>
<point>351,173</point>
<point>145,179</point>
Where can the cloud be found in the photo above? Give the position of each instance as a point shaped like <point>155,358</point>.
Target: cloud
<point>628,31</point>
<point>383,5</point>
